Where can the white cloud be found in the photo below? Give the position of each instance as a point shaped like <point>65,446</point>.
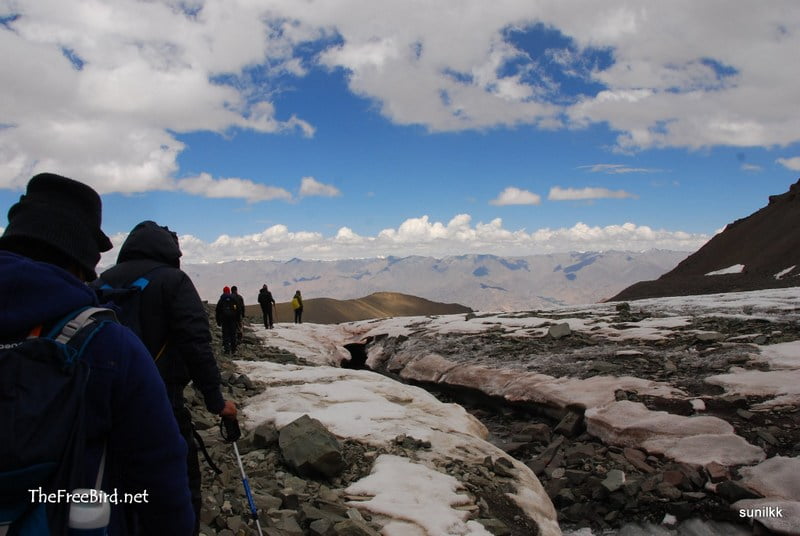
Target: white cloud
<point>516,196</point>
<point>577,194</point>
<point>105,86</point>
<point>421,236</point>
<point>790,163</point>
<point>751,167</point>
<point>140,72</point>
<point>309,186</point>
<point>617,169</point>
<point>231,188</point>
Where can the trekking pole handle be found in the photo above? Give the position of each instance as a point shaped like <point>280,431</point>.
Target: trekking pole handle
<point>229,428</point>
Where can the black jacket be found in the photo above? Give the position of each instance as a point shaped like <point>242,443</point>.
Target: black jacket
<point>172,311</point>
<point>265,298</point>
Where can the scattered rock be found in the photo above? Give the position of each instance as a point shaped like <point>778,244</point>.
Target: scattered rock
<point>310,448</point>
<point>571,424</point>
<point>559,331</point>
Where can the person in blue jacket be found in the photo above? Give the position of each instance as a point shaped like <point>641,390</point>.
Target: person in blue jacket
<point>48,251</point>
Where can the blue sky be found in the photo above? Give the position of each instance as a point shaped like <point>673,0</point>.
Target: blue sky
<point>353,128</point>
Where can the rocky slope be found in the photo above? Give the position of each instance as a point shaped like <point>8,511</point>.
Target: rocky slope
<point>308,481</point>
<point>757,252</point>
<point>669,416</point>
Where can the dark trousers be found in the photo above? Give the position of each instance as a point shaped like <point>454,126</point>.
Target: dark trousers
<point>268,320</point>
<point>184,419</point>
<point>229,337</point>
<point>298,315</point>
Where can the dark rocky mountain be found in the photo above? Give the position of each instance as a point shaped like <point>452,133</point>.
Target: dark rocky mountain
<point>765,244</point>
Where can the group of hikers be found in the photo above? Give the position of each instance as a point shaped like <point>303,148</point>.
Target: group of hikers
<point>95,400</point>
<point>230,314</point>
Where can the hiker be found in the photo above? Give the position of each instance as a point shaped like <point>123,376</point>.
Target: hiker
<point>173,324</point>
<point>240,319</point>
<point>267,303</point>
<point>227,316</point>
<point>49,250</point>
<point>297,307</point>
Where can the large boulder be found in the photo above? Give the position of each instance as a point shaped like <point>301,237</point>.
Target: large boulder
<point>310,449</point>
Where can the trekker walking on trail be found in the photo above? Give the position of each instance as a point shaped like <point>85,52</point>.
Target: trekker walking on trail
<point>173,324</point>
<point>268,306</point>
<point>227,316</point>
<point>240,320</point>
<point>297,307</point>
<point>48,251</point>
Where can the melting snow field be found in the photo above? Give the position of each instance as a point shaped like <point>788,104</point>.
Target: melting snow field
<point>613,356</point>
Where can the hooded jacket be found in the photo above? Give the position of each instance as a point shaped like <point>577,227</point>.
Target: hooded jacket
<point>127,408</point>
<point>172,312</point>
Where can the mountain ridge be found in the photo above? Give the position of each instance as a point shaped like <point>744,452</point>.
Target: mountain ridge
<point>758,252</point>
<point>480,282</point>
<point>376,305</point>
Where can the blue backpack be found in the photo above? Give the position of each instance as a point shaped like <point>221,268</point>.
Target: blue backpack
<point>42,386</point>
<point>126,298</point>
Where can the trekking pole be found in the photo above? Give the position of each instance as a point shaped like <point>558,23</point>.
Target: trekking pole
<point>229,428</point>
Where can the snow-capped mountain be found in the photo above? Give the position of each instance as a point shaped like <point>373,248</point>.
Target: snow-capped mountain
<point>482,282</point>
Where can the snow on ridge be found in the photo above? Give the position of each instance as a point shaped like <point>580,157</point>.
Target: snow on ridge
<point>775,479</point>
<point>694,440</point>
<point>735,269</point>
<point>785,271</point>
<point>392,488</point>
<point>375,409</point>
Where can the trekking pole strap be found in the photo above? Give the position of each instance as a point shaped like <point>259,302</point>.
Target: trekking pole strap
<point>202,446</point>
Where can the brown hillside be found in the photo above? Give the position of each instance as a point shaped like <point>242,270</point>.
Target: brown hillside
<point>767,242</point>
<point>378,305</point>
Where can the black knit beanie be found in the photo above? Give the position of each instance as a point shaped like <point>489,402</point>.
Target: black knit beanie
<point>62,213</point>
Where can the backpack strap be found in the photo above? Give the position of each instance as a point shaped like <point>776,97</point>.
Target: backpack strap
<point>75,332</point>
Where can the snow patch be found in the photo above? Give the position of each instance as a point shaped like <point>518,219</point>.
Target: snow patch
<point>735,269</point>
<point>777,477</point>
<point>393,486</point>
<point>784,385</point>
<point>782,273</point>
<point>694,440</point>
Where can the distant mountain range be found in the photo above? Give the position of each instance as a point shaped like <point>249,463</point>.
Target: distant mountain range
<point>758,252</point>
<point>480,282</point>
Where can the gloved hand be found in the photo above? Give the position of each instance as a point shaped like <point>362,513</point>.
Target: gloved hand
<point>228,410</point>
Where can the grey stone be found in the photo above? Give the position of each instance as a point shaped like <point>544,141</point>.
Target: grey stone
<point>503,467</point>
<point>668,491</point>
<point>579,452</point>
<point>309,448</point>
<point>559,331</point>
<point>234,522</point>
<point>571,424</point>
<point>265,435</point>
<point>354,527</point>
<point>710,336</point>
<point>322,527</point>
<point>733,491</point>
<point>266,502</point>
<point>614,480</point>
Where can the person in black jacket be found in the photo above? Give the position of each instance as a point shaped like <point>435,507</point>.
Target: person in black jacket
<point>174,328</point>
<point>267,303</point>
<point>240,319</point>
<point>227,316</point>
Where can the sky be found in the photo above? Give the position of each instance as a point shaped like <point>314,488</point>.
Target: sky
<point>361,128</point>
